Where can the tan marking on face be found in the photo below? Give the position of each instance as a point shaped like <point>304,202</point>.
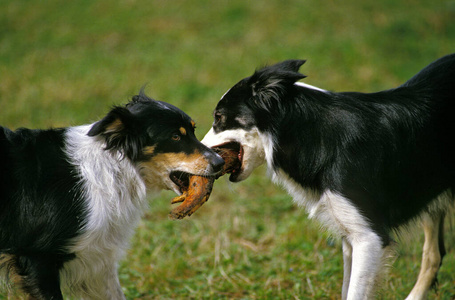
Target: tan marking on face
<point>149,150</point>
<point>193,124</point>
<point>182,130</point>
<point>160,165</point>
<point>115,126</point>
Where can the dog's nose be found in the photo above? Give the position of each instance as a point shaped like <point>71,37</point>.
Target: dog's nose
<point>216,161</point>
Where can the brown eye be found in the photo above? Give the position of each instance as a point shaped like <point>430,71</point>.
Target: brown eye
<point>176,137</point>
<point>217,117</point>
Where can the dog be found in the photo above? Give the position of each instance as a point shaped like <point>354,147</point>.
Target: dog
<point>71,198</point>
<point>365,165</point>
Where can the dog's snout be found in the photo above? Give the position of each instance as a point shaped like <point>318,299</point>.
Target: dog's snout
<point>216,162</point>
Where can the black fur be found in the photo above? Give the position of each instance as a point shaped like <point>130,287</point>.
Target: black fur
<point>44,204</point>
<point>40,210</point>
<point>390,153</point>
<point>144,122</point>
<point>41,207</point>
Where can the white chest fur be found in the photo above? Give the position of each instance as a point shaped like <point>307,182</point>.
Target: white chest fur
<point>115,200</point>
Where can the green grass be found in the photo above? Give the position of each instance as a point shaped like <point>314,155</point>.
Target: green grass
<point>65,63</point>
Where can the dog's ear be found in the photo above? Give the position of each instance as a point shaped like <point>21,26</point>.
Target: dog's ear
<point>271,82</point>
<point>290,65</point>
<point>118,130</point>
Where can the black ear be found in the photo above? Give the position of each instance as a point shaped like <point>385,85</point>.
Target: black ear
<point>118,131</point>
<point>272,81</point>
<point>290,65</point>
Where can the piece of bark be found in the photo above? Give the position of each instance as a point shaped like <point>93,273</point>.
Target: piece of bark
<point>231,160</point>
<point>200,187</point>
<point>197,194</point>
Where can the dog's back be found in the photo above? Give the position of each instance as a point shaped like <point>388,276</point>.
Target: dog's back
<point>40,208</point>
<point>70,198</point>
<point>406,144</point>
<point>436,85</point>
<point>4,166</point>
<point>364,164</point>
<point>438,78</point>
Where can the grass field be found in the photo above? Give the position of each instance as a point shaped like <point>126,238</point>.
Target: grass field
<point>66,63</point>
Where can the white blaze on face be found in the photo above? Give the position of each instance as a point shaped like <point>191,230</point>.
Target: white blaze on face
<point>253,148</point>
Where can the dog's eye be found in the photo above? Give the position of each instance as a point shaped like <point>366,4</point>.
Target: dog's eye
<point>176,137</point>
<point>218,117</point>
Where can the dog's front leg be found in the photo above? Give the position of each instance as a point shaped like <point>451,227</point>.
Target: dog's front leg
<point>112,288</point>
<point>347,261</point>
<point>100,284</point>
<point>367,258</point>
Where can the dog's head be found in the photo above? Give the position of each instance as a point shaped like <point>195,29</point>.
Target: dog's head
<point>242,116</point>
<point>159,139</point>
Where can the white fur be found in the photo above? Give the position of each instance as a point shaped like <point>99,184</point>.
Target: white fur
<point>310,87</point>
<point>253,150</point>
<point>363,253</point>
<point>115,195</point>
<point>362,247</point>
<point>225,94</point>
<point>367,259</point>
<point>347,267</point>
<point>431,259</point>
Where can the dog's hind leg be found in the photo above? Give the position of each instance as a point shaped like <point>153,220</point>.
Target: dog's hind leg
<point>39,277</point>
<point>347,265</point>
<point>442,248</point>
<point>433,252</point>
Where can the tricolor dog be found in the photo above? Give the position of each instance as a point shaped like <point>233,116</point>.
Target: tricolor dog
<point>71,198</point>
<point>365,165</point>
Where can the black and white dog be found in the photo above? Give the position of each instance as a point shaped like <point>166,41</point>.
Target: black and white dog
<point>364,165</point>
<point>70,198</point>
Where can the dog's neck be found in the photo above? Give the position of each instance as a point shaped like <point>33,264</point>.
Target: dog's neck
<point>108,176</point>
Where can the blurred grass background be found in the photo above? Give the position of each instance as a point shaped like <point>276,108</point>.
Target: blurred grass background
<point>65,63</point>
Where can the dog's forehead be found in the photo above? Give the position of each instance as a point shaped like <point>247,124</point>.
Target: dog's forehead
<point>167,106</point>
<point>236,95</point>
<point>168,112</point>
<point>161,118</point>
<point>177,118</point>
<point>234,106</point>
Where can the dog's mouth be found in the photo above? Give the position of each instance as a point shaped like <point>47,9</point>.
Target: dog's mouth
<point>232,153</point>
<point>195,190</point>
<point>181,180</point>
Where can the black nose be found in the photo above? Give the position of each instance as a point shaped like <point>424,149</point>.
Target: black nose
<point>216,161</point>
